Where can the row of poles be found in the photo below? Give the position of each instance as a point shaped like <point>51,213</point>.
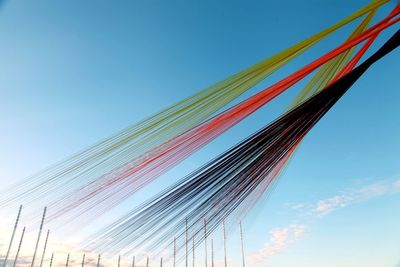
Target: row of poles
<point>22,238</point>
<point>6,258</point>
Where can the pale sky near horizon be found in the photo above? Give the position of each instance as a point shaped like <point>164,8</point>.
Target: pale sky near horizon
<point>74,72</point>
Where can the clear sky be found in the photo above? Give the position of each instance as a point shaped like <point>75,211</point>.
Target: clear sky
<point>73,72</point>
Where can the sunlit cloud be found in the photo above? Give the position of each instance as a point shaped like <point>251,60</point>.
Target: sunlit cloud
<point>280,239</point>
<point>328,205</point>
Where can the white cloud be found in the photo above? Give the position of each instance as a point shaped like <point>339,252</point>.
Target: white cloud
<point>299,230</point>
<point>328,205</point>
<point>280,239</point>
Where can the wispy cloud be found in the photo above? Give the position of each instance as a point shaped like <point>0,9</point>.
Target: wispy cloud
<point>280,239</point>
<point>328,205</point>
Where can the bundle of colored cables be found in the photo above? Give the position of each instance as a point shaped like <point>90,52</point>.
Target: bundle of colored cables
<point>111,155</point>
<point>226,184</point>
<point>101,195</point>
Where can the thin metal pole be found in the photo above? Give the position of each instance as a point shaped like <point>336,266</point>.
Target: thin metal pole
<point>44,248</point>
<point>205,242</point>
<point>38,239</point>
<point>147,261</point>
<point>241,245</point>
<point>224,235</point>
<point>194,255</point>
<point>161,262</point>
<point>66,264</point>
<point>174,251</point>
<point>133,261</point>
<point>83,260</point>
<point>12,236</point>
<point>212,253</point>
<point>19,247</point>
<point>51,259</point>
<point>98,260</point>
<point>186,242</point>
<point>119,260</point>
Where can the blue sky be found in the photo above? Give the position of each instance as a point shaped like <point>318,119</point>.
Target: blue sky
<point>74,72</point>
